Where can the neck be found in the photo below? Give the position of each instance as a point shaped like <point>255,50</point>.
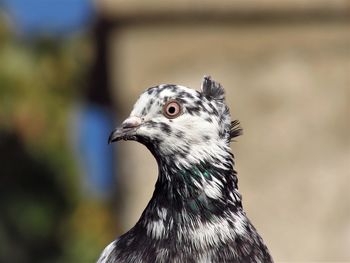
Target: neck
<point>200,190</point>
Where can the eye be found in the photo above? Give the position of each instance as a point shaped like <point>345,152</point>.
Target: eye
<point>172,109</point>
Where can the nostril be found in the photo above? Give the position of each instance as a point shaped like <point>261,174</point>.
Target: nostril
<point>131,122</point>
<point>128,125</point>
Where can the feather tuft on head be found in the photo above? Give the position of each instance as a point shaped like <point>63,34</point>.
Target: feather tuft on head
<point>235,129</point>
<point>212,89</point>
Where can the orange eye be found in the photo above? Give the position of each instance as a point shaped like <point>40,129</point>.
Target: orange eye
<point>172,109</point>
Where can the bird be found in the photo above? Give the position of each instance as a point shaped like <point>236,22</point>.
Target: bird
<point>195,213</point>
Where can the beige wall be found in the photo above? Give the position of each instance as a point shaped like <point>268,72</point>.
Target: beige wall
<point>289,85</point>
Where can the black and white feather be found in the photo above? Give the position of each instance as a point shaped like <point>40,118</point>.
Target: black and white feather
<point>195,213</point>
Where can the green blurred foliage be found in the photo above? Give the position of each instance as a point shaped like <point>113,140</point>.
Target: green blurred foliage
<point>43,211</point>
<point>38,80</point>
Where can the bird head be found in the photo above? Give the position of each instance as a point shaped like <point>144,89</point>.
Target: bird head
<point>177,123</point>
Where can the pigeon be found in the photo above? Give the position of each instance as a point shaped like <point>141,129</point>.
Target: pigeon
<point>195,213</point>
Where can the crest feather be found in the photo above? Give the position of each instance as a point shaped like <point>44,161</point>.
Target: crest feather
<point>212,89</point>
<point>235,129</point>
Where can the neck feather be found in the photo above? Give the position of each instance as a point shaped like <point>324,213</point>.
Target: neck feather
<point>201,190</point>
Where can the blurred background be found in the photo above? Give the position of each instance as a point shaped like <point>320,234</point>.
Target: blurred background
<point>70,70</point>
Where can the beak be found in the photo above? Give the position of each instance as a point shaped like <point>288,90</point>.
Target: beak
<point>127,131</point>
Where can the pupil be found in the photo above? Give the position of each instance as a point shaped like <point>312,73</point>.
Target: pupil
<point>171,110</point>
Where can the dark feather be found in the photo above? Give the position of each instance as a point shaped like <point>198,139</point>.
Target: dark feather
<point>236,129</point>
<point>212,89</point>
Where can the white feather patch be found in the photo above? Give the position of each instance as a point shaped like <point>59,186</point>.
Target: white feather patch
<point>106,252</point>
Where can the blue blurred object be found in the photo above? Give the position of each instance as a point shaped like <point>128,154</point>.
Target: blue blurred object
<point>49,17</point>
<point>92,125</point>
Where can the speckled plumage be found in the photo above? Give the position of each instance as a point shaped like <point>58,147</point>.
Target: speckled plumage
<point>195,213</point>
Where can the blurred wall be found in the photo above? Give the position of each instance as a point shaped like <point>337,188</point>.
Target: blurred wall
<point>286,71</point>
